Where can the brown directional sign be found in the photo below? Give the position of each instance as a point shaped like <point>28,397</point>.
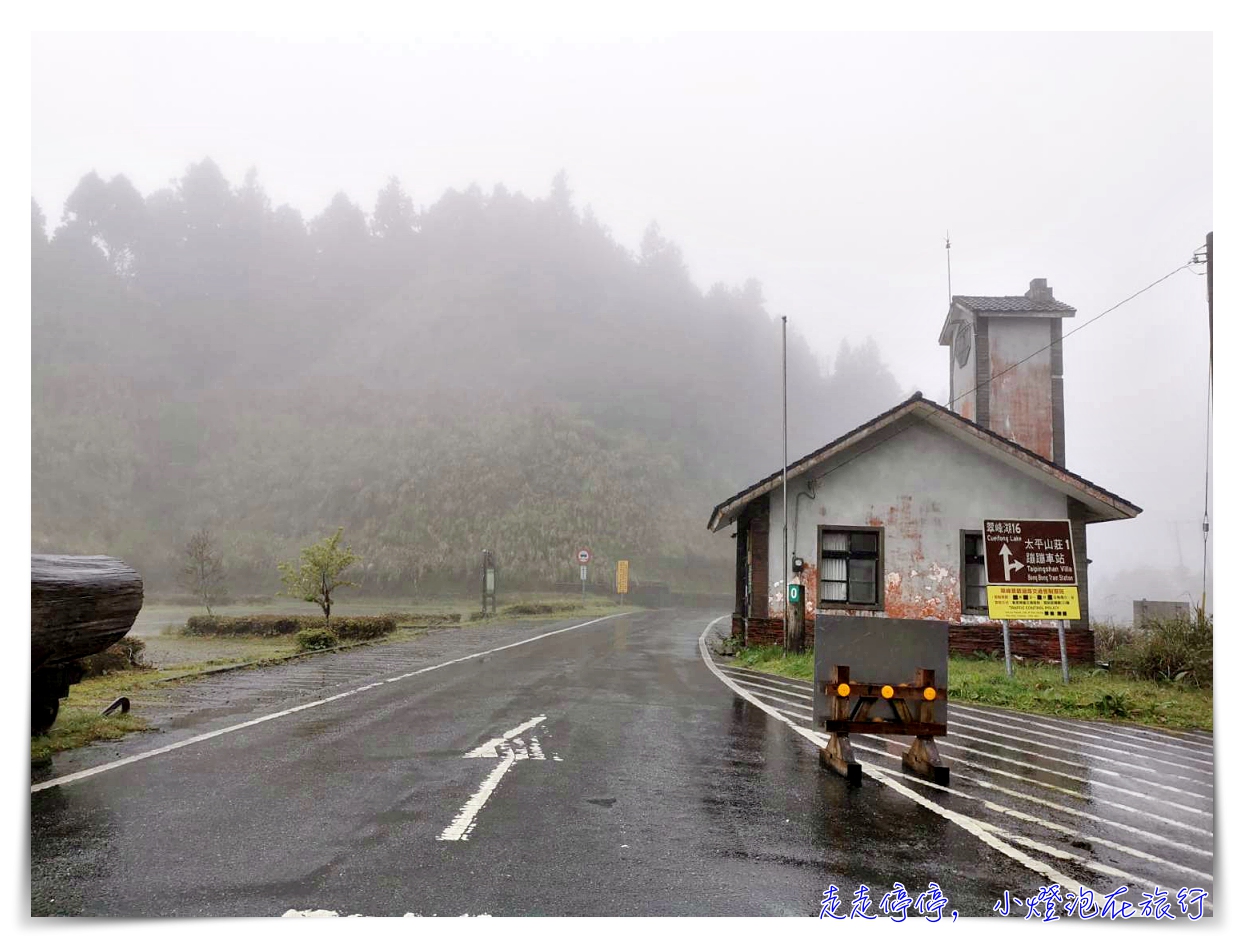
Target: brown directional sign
<point>1028,552</point>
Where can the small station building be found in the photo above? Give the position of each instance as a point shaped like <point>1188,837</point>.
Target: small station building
<point>887,518</point>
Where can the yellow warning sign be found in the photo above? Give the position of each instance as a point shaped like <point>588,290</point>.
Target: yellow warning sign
<point>1033,602</point>
<point>623,577</point>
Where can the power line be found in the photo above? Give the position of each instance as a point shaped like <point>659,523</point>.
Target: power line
<point>1070,333</point>
<point>928,414</point>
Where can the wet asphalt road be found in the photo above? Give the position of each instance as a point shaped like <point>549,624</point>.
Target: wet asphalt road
<point>648,787</point>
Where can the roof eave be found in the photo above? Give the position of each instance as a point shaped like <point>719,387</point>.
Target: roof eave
<point>1105,505</point>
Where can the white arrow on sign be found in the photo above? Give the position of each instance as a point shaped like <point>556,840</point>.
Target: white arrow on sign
<point>513,749</point>
<point>1006,565</point>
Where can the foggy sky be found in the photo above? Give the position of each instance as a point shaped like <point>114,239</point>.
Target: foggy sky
<point>827,166</point>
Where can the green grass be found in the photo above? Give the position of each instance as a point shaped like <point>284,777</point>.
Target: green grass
<point>1093,693</point>
<point>77,725</point>
<point>771,660</point>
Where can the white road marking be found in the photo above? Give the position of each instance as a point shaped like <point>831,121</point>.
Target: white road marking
<point>1092,768</point>
<point>981,828</point>
<point>1123,734</point>
<point>514,749</point>
<point>459,829</point>
<point>125,761</point>
<point>959,725</point>
<point>321,912</point>
<point>786,682</point>
<point>1046,824</point>
<point>1165,787</point>
<point>1078,795</point>
<point>1084,779</point>
<point>1162,839</point>
<point>801,705</point>
<point>489,748</point>
<point>776,690</point>
<point>976,715</point>
<point>806,704</point>
<point>964,822</point>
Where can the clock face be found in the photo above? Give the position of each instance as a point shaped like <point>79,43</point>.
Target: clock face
<point>962,344</point>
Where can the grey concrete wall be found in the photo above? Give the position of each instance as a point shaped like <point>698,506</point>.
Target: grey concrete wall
<point>963,379</point>
<point>1145,610</point>
<point>922,487</point>
<point>1020,402</point>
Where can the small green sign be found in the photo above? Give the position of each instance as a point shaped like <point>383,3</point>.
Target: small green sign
<point>796,593</point>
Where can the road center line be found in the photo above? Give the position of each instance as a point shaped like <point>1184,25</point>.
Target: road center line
<point>125,761</point>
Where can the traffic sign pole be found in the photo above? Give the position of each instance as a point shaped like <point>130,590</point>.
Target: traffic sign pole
<point>1031,575</point>
<point>1061,640</point>
<point>1005,641</point>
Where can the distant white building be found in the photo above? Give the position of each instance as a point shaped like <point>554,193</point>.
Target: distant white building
<point>887,517</point>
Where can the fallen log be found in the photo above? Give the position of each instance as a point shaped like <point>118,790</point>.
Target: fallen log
<point>79,605</point>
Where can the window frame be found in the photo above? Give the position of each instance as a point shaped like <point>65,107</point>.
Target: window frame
<point>823,603</point>
<point>962,574</point>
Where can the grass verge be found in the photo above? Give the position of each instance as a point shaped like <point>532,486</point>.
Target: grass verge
<point>77,726</point>
<point>1092,694</point>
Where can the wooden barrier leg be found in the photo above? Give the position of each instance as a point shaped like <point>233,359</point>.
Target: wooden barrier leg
<point>923,758</point>
<point>839,756</point>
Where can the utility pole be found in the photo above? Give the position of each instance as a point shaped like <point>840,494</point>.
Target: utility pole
<point>1208,245</point>
<point>1208,252</point>
<point>949,281</point>
<point>785,521</point>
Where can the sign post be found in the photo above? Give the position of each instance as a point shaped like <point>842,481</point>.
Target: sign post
<point>797,639</point>
<point>623,579</point>
<point>489,581</point>
<point>582,557</point>
<point>1030,570</point>
<point>1005,643</point>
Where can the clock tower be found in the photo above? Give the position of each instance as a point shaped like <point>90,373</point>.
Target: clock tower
<point>1006,366</point>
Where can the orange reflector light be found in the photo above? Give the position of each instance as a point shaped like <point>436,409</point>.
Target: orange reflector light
<point>843,690</point>
<point>886,692</point>
<point>930,693</point>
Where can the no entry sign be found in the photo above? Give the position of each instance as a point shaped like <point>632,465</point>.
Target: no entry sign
<point>1028,552</point>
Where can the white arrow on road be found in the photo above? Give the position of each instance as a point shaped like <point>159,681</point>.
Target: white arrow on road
<point>512,748</point>
<point>1006,565</point>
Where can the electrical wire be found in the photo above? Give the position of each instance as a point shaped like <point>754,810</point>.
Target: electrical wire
<point>1071,332</point>
<point>929,413</point>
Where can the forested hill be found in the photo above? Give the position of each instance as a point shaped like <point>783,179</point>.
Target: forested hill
<point>489,371</point>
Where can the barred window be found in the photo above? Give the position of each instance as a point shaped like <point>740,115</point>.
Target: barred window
<point>850,567</point>
<point>974,583</point>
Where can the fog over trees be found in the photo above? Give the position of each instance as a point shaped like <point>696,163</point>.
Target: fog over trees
<point>490,370</point>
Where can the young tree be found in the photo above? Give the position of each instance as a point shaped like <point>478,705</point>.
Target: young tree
<point>317,574</point>
<point>202,569</point>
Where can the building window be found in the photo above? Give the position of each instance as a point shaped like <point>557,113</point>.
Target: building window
<point>850,567</point>
<point>974,582</point>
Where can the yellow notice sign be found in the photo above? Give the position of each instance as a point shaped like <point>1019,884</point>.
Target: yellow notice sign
<point>623,576</point>
<point>1033,602</point>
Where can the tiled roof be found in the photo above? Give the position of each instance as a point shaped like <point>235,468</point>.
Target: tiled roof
<point>1012,304</point>
<point>816,456</point>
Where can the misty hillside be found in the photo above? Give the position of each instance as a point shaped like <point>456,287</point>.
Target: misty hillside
<point>491,370</point>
